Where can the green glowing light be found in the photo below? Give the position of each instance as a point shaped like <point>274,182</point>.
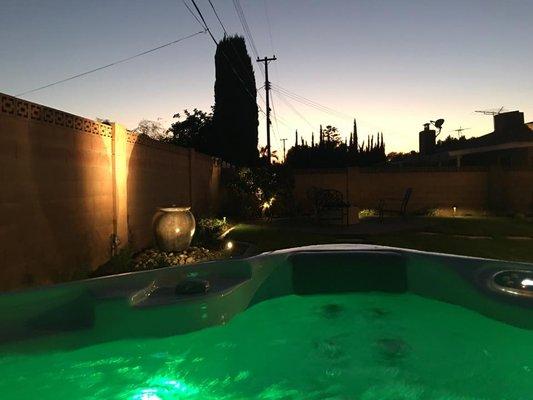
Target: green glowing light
<point>147,394</point>
<point>350,346</point>
<point>163,387</point>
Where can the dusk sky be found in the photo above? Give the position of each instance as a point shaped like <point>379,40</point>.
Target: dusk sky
<point>391,64</point>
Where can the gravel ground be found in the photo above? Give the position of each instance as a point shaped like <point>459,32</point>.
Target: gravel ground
<point>153,258</point>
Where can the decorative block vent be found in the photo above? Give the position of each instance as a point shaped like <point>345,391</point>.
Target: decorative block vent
<point>35,112</point>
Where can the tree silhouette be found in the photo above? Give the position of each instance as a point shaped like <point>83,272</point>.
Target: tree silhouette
<point>195,130</point>
<point>332,152</point>
<point>263,156</point>
<point>331,135</point>
<point>153,129</point>
<point>235,116</point>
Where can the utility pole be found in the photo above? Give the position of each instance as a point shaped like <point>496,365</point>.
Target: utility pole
<point>267,91</point>
<point>284,140</point>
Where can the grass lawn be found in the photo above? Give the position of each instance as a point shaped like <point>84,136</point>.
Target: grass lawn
<point>481,237</point>
<point>267,238</point>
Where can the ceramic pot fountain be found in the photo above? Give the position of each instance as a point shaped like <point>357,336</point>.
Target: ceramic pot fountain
<point>173,228</point>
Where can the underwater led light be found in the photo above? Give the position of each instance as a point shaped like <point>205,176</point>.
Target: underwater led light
<point>161,387</point>
<point>527,282</point>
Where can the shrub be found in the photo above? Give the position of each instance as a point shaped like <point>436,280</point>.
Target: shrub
<point>208,231</point>
<point>367,212</point>
<point>255,192</point>
<point>241,198</point>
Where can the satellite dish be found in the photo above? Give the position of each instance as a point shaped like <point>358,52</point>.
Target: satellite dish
<point>438,124</point>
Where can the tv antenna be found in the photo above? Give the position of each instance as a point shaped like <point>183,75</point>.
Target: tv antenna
<point>460,130</point>
<point>492,112</point>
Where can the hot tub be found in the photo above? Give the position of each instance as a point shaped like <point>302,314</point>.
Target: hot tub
<point>318,322</point>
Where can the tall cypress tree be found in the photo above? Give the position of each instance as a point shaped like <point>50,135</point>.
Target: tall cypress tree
<point>235,116</point>
<point>355,138</point>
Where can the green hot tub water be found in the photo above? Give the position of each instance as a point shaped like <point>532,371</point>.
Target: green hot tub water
<point>354,346</point>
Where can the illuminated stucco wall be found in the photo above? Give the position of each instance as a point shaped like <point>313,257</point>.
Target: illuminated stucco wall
<point>160,174</point>
<point>204,174</point>
<point>465,189</point>
<point>56,202</point>
<point>69,184</point>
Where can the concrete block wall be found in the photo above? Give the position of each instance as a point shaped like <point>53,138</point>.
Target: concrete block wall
<point>518,191</point>
<point>466,189</point>
<point>322,178</point>
<point>205,174</point>
<point>68,184</point>
<point>431,189</point>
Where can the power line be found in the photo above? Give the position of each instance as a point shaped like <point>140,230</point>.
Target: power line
<point>203,21</point>
<point>225,55</point>
<point>270,35</point>
<point>294,109</point>
<point>245,26</point>
<point>110,65</point>
<point>216,14</point>
<point>246,30</point>
<point>306,103</point>
<point>238,55</point>
<point>311,103</point>
<point>319,107</point>
<point>281,120</point>
<point>325,111</point>
<point>275,118</point>
<point>269,26</point>
<point>193,14</point>
<point>206,27</point>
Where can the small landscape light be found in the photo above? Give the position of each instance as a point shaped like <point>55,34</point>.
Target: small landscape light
<point>229,245</point>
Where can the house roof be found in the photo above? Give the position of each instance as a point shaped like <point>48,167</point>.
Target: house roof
<point>518,137</point>
<point>494,147</point>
